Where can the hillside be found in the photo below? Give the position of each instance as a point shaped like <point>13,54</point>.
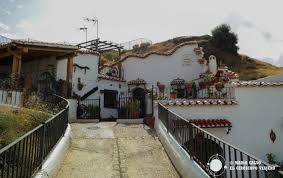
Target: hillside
<point>247,68</point>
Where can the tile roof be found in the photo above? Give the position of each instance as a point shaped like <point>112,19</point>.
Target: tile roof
<point>197,102</point>
<point>256,84</point>
<point>88,52</point>
<point>167,53</point>
<point>203,123</point>
<point>137,82</point>
<point>41,44</point>
<point>211,123</point>
<point>106,77</point>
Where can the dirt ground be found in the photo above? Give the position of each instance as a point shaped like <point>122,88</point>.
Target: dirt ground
<point>115,150</point>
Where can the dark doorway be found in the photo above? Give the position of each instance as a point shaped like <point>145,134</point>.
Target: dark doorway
<point>139,94</point>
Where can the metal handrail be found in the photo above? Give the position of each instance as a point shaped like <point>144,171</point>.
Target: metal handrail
<point>214,136</point>
<point>195,140</point>
<point>25,155</point>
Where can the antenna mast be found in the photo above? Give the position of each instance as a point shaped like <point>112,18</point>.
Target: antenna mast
<point>95,22</point>
<point>84,29</point>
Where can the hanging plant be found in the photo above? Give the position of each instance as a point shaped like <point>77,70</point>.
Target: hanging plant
<point>201,61</point>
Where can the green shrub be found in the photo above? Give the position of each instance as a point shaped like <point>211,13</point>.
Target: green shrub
<point>16,122</point>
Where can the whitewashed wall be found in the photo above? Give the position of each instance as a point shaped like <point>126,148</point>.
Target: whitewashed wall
<point>61,68</point>
<point>164,68</point>
<point>259,110</point>
<point>120,87</point>
<point>88,79</point>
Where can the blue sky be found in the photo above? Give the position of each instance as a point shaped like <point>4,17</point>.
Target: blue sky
<point>256,23</point>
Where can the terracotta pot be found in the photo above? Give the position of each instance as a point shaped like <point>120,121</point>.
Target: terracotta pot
<point>173,95</point>
<point>80,86</point>
<point>161,87</point>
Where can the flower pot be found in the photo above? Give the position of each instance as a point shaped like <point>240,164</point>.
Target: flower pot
<point>80,86</point>
<point>173,95</point>
<point>161,88</point>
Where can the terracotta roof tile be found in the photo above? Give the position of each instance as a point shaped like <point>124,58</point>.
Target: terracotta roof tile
<point>178,81</point>
<point>193,102</point>
<point>256,84</point>
<point>137,82</point>
<point>106,77</point>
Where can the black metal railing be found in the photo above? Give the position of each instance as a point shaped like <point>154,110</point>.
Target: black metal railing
<point>202,145</point>
<point>213,93</point>
<point>89,109</point>
<point>24,156</point>
<point>123,107</point>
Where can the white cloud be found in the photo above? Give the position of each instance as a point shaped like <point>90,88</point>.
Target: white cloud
<point>20,6</point>
<point>12,0</point>
<point>159,20</point>
<point>4,27</point>
<point>7,12</point>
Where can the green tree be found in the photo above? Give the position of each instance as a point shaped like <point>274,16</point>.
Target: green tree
<point>224,39</point>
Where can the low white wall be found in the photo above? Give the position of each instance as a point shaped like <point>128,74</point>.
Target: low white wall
<point>10,97</point>
<point>52,164</point>
<point>73,104</point>
<point>186,167</point>
<point>258,111</point>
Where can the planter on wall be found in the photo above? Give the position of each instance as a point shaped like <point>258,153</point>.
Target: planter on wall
<point>161,87</point>
<point>173,95</point>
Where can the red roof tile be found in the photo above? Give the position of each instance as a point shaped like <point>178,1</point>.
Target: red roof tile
<point>211,123</point>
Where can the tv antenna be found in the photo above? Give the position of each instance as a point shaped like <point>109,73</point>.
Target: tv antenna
<point>85,30</point>
<point>95,22</point>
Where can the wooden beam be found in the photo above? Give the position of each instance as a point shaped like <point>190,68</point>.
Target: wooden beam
<point>66,56</point>
<point>5,54</point>
<point>50,49</point>
<point>69,74</point>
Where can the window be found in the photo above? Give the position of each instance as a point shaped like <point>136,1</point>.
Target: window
<point>110,98</point>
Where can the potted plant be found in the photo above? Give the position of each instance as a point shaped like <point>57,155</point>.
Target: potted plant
<point>202,85</point>
<point>173,94</point>
<point>134,109</point>
<point>219,86</point>
<point>161,88</point>
<point>189,84</point>
<point>80,86</point>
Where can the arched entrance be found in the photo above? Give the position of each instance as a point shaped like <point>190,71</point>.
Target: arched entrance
<point>139,95</point>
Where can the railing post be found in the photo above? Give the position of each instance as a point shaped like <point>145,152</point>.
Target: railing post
<point>191,137</point>
<point>42,135</point>
<point>167,119</point>
<point>152,102</point>
<point>99,110</point>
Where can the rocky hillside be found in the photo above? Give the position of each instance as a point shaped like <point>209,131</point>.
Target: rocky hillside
<point>247,68</point>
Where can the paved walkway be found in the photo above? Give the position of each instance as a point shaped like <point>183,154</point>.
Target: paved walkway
<point>115,150</point>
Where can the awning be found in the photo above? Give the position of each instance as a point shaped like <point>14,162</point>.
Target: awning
<point>211,123</point>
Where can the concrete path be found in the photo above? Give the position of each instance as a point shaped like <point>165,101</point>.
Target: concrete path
<point>115,150</point>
